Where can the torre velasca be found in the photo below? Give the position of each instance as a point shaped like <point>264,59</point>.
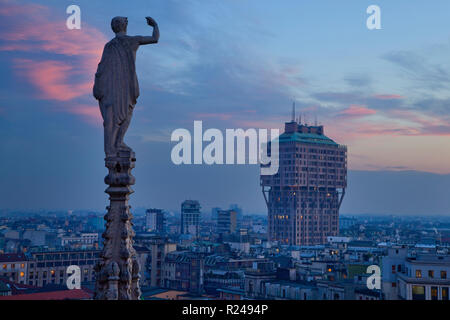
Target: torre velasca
<point>304,197</point>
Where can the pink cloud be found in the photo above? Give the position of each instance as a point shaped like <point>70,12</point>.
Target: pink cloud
<point>356,111</point>
<point>66,76</point>
<point>50,77</point>
<point>427,125</point>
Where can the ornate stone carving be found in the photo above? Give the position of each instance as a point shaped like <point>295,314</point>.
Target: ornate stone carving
<point>118,269</point>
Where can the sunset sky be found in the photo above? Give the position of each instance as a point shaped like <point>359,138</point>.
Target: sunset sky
<point>233,64</point>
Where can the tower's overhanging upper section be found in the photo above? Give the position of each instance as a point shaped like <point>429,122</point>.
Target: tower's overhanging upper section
<point>308,158</point>
<point>297,132</point>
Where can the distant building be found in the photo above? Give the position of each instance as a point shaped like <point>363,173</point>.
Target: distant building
<point>81,240</point>
<point>190,217</point>
<point>184,271</point>
<point>97,223</point>
<point>37,237</point>
<point>257,276</point>
<point>226,221</point>
<point>238,210</point>
<point>417,277</point>
<point>426,277</point>
<point>391,265</point>
<point>159,248</point>
<point>214,213</point>
<point>50,267</point>
<point>154,220</point>
<point>304,197</point>
<point>14,266</point>
<point>345,222</point>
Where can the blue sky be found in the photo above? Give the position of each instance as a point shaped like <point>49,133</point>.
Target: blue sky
<point>384,93</point>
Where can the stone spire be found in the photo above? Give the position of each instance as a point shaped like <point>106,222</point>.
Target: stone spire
<point>117,273</point>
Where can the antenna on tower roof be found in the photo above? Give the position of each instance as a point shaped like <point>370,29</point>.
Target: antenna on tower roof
<point>293,111</point>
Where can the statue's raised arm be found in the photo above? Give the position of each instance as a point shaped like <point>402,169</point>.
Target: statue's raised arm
<point>155,36</point>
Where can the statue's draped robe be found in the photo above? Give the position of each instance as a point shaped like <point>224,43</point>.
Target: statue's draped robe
<point>116,83</point>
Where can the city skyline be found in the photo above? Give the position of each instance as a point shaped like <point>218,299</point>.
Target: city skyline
<point>382,93</point>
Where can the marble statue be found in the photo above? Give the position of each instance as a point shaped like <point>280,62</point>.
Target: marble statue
<point>117,89</point>
<point>116,86</point>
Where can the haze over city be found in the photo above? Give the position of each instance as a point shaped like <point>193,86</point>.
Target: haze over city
<point>384,94</point>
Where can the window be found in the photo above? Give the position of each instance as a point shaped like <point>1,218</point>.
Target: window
<point>418,273</point>
<point>443,274</point>
<point>418,292</point>
<point>431,273</point>
<point>444,293</point>
<point>434,293</point>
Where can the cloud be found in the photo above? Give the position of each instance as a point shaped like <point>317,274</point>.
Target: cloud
<point>51,78</point>
<point>360,80</point>
<point>420,69</point>
<point>356,111</point>
<point>58,62</point>
<point>388,96</point>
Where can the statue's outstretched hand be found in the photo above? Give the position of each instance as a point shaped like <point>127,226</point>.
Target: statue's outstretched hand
<point>151,22</point>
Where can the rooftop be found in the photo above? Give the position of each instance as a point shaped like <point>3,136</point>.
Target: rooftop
<point>12,257</point>
<point>312,138</point>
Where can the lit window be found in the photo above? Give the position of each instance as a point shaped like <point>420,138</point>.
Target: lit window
<point>443,274</point>
<point>22,265</point>
<point>418,273</point>
<point>22,274</point>
<point>4,266</point>
<point>431,273</point>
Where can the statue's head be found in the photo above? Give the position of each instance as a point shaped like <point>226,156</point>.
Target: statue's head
<point>119,24</point>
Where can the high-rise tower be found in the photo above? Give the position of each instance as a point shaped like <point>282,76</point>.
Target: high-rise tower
<point>190,217</point>
<point>304,197</point>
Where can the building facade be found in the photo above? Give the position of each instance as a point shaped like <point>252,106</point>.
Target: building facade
<point>190,217</point>
<point>226,221</point>
<point>426,277</point>
<point>304,197</point>
<point>159,248</point>
<point>50,267</point>
<point>154,220</point>
<point>14,267</point>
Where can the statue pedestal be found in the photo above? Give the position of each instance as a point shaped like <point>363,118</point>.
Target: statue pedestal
<point>117,273</point>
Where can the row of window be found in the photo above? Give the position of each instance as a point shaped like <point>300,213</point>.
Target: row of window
<point>431,274</point>
<point>13,266</point>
